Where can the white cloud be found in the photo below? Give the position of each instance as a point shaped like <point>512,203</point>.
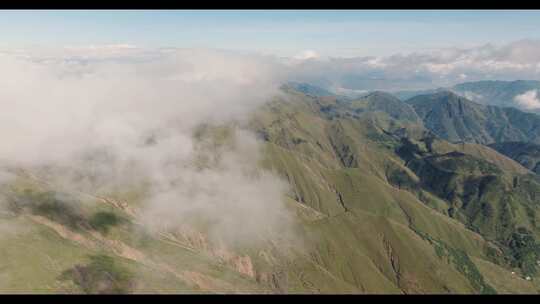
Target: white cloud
<point>528,100</point>
<point>90,120</point>
<point>103,48</point>
<point>307,54</point>
<point>421,70</point>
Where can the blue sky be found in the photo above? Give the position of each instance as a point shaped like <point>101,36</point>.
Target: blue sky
<point>285,33</point>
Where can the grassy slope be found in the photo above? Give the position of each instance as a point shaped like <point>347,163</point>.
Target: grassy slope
<point>354,196</point>
<point>361,232</point>
<point>38,255</point>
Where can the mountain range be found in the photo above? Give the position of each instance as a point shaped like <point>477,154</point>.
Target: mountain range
<point>490,92</point>
<point>432,194</point>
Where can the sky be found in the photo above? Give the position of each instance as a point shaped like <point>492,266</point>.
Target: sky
<point>335,33</point>
<point>336,49</point>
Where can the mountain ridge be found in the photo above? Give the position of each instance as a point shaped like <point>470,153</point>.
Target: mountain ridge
<point>382,204</point>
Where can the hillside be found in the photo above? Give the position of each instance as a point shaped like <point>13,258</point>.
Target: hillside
<point>497,93</point>
<point>371,149</point>
<point>456,118</point>
<point>527,154</point>
<point>309,89</point>
<point>487,92</point>
<point>381,204</point>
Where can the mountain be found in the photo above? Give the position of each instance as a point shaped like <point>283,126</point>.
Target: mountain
<point>467,202</point>
<point>488,92</point>
<point>456,118</point>
<point>382,204</point>
<point>309,89</point>
<point>527,154</point>
<point>497,93</point>
<point>386,103</point>
<point>404,95</point>
<point>322,91</point>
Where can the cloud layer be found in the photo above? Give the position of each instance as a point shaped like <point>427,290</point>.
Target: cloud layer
<point>430,69</point>
<point>420,70</point>
<point>98,125</point>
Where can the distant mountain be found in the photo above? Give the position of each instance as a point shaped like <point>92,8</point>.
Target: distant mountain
<point>310,90</point>
<point>489,92</point>
<point>404,95</point>
<point>521,94</point>
<point>497,93</point>
<point>385,102</point>
<point>527,154</point>
<point>456,118</point>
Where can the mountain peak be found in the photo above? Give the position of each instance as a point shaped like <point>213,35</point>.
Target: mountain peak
<point>385,102</point>
<point>456,118</point>
<point>441,96</point>
<point>379,95</point>
<point>308,89</point>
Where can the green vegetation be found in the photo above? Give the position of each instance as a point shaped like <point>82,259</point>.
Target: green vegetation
<point>458,119</point>
<point>384,204</point>
<point>470,183</point>
<point>103,221</point>
<point>527,154</point>
<point>49,204</point>
<point>103,275</point>
<point>464,265</point>
<point>496,92</point>
<point>524,251</point>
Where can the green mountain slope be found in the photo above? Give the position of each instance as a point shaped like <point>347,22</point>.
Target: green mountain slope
<point>497,93</point>
<point>372,173</point>
<point>488,92</point>
<point>456,118</point>
<point>381,204</point>
<point>527,154</point>
<point>309,89</point>
<point>387,103</point>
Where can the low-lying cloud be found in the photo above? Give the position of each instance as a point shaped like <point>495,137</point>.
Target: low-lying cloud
<point>528,100</point>
<point>98,125</point>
